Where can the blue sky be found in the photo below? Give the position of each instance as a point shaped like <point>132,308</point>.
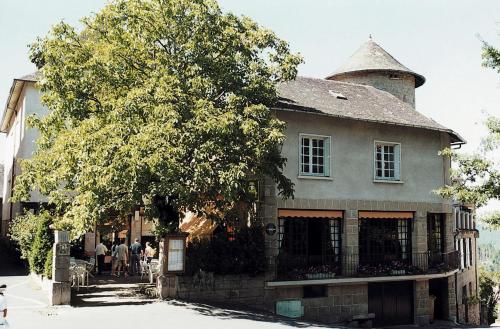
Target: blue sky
<point>438,39</point>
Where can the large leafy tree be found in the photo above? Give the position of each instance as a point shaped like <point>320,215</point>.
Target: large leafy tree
<point>161,103</point>
<point>476,178</point>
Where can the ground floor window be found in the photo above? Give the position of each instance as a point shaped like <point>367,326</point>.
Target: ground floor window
<point>312,237</point>
<point>435,237</point>
<point>384,240</point>
<point>309,245</point>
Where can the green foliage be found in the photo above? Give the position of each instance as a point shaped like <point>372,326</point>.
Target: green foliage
<point>474,180</point>
<point>41,245</point>
<point>489,256</point>
<point>47,271</point>
<point>477,177</point>
<point>23,230</point>
<point>242,254</point>
<point>488,281</point>
<point>33,235</point>
<point>155,100</point>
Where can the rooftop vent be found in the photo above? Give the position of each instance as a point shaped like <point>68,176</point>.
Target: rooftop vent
<point>337,95</point>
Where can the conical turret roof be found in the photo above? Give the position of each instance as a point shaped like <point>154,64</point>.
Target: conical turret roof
<point>371,57</point>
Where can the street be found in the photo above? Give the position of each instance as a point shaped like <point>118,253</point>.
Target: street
<point>28,308</point>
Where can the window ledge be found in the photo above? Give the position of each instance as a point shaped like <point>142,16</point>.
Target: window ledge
<point>388,181</point>
<point>315,177</point>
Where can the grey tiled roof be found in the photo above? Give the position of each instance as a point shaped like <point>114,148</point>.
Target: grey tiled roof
<point>363,103</point>
<point>371,57</point>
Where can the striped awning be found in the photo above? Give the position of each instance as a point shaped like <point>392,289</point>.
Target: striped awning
<point>306,213</point>
<point>386,214</point>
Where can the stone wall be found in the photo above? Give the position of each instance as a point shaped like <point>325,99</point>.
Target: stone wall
<point>339,305</point>
<point>422,309</point>
<point>233,289</point>
<point>403,87</point>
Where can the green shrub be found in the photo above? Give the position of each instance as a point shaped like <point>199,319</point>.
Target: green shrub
<point>243,253</point>
<point>48,265</point>
<point>34,237</point>
<point>487,294</point>
<point>42,244</point>
<point>22,231</point>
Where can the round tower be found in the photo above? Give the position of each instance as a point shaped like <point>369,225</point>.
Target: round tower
<point>371,65</point>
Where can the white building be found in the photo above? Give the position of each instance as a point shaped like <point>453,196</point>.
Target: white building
<point>23,101</point>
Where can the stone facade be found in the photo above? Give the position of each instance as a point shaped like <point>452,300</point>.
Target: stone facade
<point>400,85</point>
<point>60,291</point>
<point>422,310</point>
<point>233,289</point>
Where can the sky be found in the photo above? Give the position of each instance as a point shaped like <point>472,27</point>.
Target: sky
<point>438,39</point>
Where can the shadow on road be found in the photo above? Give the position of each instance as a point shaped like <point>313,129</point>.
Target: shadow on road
<point>225,311</point>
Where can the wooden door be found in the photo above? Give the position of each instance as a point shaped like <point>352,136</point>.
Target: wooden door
<point>392,302</point>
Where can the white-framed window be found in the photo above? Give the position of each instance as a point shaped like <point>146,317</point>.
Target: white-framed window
<point>314,155</point>
<point>387,156</point>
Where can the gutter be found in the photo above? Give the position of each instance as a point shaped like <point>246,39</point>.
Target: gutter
<point>10,106</point>
<point>460,140</point>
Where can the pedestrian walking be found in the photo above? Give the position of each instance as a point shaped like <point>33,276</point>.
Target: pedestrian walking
<point>100,251</point>
<point>122,257</point>
<point>114,256</point>
<point>3,307</point>
<point>149,252</point>
<point>135,257</point>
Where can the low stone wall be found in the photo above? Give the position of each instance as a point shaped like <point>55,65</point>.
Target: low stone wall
<point>235,289</point>
<point>342,303</point>
<point>473,314</point>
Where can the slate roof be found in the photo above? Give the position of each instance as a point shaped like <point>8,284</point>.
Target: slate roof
<point>365,103</point>
<point>371,57</point>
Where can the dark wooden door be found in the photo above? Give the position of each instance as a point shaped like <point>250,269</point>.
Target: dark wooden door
<point>392,302</point>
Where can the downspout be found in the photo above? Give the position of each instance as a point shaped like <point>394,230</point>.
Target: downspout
<point>12,176</point>
<point>456,297</point>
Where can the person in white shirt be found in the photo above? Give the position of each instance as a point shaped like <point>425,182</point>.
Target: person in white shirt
<point>3,307</point>
<point>100,251</point>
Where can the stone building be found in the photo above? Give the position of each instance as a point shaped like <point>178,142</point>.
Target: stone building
<point>467,289</point>
<point>364,234</point>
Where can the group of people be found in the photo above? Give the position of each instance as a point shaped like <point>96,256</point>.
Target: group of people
<point>124,259</point>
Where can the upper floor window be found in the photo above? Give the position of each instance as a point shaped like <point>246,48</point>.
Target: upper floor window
<point>314,157</point>
<point>387,161</point>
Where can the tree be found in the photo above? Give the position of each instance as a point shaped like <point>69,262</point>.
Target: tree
<point>488,293</point>
<point>476,178</point>
<point>161,103</point>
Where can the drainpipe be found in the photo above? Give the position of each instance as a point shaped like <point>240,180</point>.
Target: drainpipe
<point>456,297</point>
<point>12,176</point>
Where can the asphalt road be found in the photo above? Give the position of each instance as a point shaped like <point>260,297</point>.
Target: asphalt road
<point>122,305</point>
<point>113,308</point>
